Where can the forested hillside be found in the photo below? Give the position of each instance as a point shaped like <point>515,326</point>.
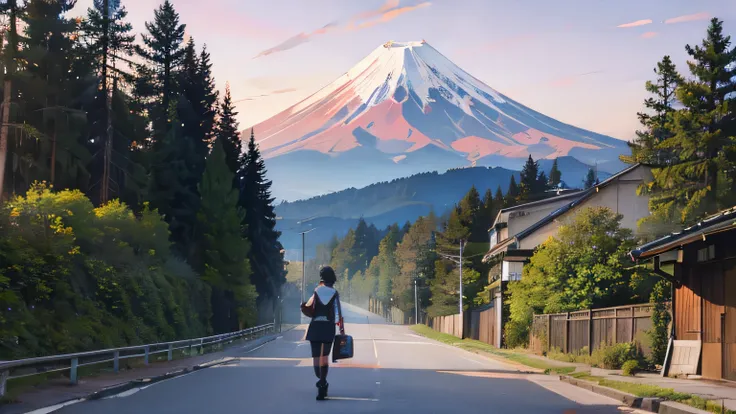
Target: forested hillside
<point>129,211</point>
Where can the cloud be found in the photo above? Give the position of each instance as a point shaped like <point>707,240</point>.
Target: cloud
<point>635,24</point>
<point>388,15</point>
<point>649,35</point>
<point>390,10</point>
<point>688,18</point>
<point>297,40</point>
<point>287,90</point>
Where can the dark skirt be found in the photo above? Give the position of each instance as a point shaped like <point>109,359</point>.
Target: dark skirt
<point>321,331</point>
<point>320,349</point>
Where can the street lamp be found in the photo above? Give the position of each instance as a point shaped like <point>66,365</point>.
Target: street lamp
<point>304,263</point>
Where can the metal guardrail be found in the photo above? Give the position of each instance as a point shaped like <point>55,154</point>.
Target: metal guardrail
<point>53,363</point>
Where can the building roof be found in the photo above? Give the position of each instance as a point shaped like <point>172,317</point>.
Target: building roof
<point>717,223</point>
<point>571,194</point>
<point>579,198</point>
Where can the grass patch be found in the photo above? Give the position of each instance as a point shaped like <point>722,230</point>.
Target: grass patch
<point>481,347</point>
<point>647,390</point>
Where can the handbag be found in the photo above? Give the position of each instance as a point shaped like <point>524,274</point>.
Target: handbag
<point>308,311</point>
<point>342,348</point>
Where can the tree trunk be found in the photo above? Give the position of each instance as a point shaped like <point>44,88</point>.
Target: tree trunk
<point>105,188</point>
<point>4,133</point>
<point>53,156</point>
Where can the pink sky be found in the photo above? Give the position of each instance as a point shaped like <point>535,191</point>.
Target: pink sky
<point>586,66</point>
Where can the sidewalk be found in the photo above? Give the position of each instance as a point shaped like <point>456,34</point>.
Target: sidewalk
<point>707,389</point>
<point>59,390</point>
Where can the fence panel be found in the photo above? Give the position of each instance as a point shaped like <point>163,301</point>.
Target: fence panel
<point>574,331</point>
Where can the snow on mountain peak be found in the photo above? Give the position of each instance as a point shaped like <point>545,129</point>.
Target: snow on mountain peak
<point>405,96</point>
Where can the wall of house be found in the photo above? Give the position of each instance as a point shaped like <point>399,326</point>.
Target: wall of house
<point>520,219</point>
<point>620,196</point>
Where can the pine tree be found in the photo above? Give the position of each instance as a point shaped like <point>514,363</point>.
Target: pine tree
<point>108,38</point>
<point>52,83</point>
<point>210,95</point>
<point>555,176</point>
<point>512,193</point>
<point>226,265</point>
<point>12,11</point>
<point>162,50</point>
<point>227,133</point>
<point>173,190</point>
<point>701,180</point>
<point>657,120</point>
<point>255,198</point>
<point>528,188</point>
<point>590,179</point>
<point>190,108</point>
<point>498,199</point>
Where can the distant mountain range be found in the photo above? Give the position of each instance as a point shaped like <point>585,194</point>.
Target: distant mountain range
<point>407,109</point>
<point>398,201</point>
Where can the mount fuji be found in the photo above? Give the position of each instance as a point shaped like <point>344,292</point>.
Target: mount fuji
<point>406,109</point>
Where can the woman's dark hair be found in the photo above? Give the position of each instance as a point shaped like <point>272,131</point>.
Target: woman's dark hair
<point>327,275</point>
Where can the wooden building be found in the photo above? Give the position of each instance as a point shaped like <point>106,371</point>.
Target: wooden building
<point>703,338</point>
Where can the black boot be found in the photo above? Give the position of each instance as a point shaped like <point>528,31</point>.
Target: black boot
<point>321,390</point>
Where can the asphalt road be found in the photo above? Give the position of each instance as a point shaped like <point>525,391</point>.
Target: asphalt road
<point>394,371</point>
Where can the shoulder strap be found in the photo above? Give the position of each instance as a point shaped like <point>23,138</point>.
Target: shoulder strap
<point>339,312</point>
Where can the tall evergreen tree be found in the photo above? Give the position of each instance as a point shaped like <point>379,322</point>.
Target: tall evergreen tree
<point>228,134</point>
<point>51,85</point>
<point>191,107</point>
<point>173,189</point>
<point>163,52</point>
<point>12,11</point>
<point>498,199</point>
<point>512,193</point>
<point>701,180</point>
<point>108,38</point>
<point>528,188</point>
<point>657,119</point>
<point>555,175</point>
<point>590,179</point>
<point>226,265</point>
<point>255,198</point>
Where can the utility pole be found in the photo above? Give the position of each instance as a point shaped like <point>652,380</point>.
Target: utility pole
<point>416,303</point>
<point>304,264</point>
<point>461,280</point>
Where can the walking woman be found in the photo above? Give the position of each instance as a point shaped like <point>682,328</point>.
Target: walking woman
<point>327,312</point>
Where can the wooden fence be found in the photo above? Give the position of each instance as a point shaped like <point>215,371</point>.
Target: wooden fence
<point>483,323</point>
<point>450,324</point>
<point>572,331</point>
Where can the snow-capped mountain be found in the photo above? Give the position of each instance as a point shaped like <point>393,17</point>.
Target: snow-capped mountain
<point>404,109</point>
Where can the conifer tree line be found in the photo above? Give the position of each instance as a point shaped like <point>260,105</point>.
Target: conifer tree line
<point>688,135</point>
<point>88,110</point>
<point>385,263</point>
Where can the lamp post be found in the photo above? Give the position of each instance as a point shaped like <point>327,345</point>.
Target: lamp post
<point>304,263</point>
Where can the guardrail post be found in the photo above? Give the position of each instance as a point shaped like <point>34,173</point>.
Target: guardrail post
<point>73,371</point>
<point>3,380</point>
<point>170,354</point>
<point>201,346</point>
<point>145,358</point>
<point>116,361</point>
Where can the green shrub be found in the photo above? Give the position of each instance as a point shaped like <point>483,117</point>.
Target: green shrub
<point>517,334</point>
<point>614,356</point>
<point>630,367</point>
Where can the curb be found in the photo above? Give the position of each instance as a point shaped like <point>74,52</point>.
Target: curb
<point>652,404</point>
<point>140,382</point>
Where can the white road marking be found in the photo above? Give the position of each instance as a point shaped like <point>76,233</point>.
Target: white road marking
<point>415,336</point>
<point>375,348</point>
<point>472,360</point>
<point>255,349</point>
<point>51,409</point>
<point>353,399</point>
